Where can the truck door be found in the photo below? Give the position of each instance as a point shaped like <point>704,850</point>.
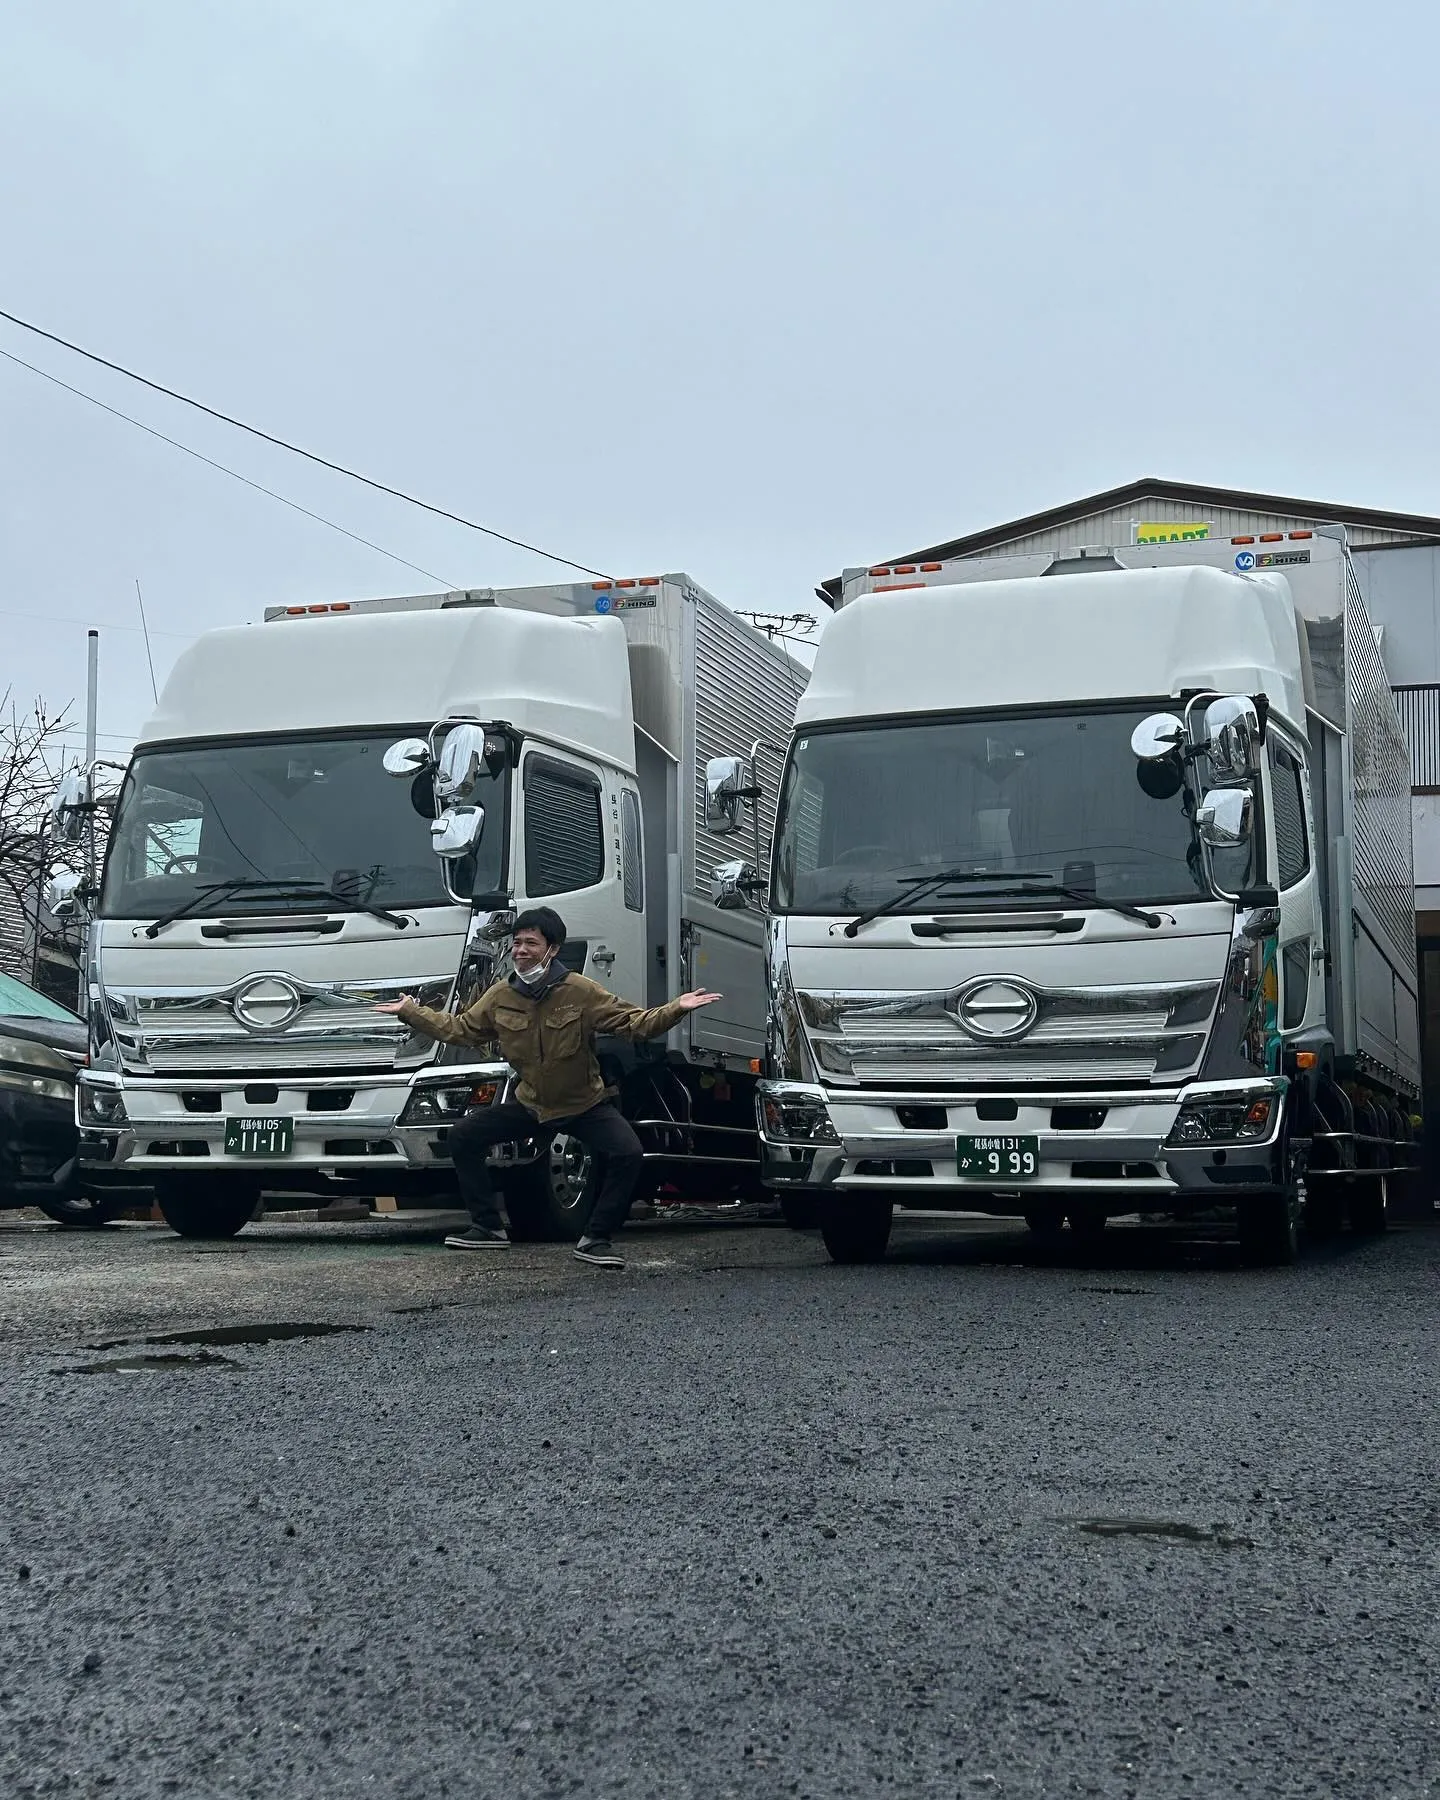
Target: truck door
<point>571,842</point>
<point>1302,929</point>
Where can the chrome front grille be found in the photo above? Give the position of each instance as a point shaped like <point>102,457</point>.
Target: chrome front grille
<point>1109,1034</point>
<point>171,1031</point>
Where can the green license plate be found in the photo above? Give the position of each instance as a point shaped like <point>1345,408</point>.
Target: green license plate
<point>259,1134</point>
<point>1003,1159</point>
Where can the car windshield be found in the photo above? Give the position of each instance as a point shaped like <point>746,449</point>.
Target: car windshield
<point>221,827</point>
<point>1031,799</point>
<point>20,1002</point>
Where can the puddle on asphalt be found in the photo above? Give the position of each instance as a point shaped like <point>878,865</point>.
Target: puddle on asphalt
<point>234,1334</point>
<point>1179,1529</point>
<point>152,1365</point>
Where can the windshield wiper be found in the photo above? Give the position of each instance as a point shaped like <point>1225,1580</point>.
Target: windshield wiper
<point>1089,896</point>
<point>349,902</point>
<point>913,887</point>
<point>198,898</point>
<point>1027,880</point>
<point>280,888</point>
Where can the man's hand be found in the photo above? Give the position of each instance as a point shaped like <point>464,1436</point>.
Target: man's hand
<point>393,1006</point>
<point>700,997</point>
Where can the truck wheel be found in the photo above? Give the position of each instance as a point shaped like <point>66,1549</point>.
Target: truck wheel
<point>81,1212</point>
<point>1046,1223</point>
<point>1367,1199</point>
<point>856,1227</point>
<point>550,1201</point>
<point>800,1208</point>
<point>1088,1220</point>
<point>201,1206</point>
<point>1269,1226</point>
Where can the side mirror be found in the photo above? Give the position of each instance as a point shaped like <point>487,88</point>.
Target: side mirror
<point>406,759</point>
<point>69,804</point>
<point>462,757</point>
<point>724,792</point>
<point>457,830</point>
<point>1157,737</point>
<point>1225,817</point>
<point>63,896</point>
<point>733,885</point>
<point>1232,737</point>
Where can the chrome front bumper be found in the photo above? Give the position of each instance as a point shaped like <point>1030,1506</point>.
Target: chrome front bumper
<point>359,1132</point>
<point>1126,1151</point>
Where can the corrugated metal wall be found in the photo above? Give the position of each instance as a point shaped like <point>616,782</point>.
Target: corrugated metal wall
<point>745,688</point>
<point>1114,527</point>
<point>1380,762</point>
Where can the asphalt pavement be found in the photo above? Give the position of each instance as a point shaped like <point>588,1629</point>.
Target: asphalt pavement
<point>980,1521</point>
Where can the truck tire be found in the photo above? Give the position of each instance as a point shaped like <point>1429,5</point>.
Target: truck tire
<point>1046,1223</point>
<point>550,1201</point>
<point>1269,1227</point>
<point>1368,1197</point>
<point>80,1212</point>
<point>207,1206</point>
<point>1088,1219</point>
<point>856,1227</point>
<point>800,1208</point>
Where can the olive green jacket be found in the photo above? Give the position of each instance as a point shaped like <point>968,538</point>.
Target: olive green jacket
<point>549,1042</point>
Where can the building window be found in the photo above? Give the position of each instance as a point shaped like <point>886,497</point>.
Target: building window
<point>564,836</point>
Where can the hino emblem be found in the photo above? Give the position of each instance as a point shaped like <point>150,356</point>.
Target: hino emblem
<point>993,1011</point>
<point>266,1003</point>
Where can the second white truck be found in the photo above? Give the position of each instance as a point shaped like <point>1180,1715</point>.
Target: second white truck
<point>1092,893</point>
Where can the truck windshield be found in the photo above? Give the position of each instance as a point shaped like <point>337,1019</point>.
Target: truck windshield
<point>318,812</point>
<point>867,811</point>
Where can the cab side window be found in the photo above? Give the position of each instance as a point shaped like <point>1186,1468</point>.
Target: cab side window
<point>564,839</point>
<point>1292,841</point>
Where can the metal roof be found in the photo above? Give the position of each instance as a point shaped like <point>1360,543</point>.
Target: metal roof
<point>1415,527</point>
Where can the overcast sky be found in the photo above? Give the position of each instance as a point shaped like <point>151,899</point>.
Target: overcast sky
<point>753,290</point>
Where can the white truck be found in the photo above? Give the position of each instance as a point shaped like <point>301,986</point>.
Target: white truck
<point>352,801</point>
<point>1092,894</point>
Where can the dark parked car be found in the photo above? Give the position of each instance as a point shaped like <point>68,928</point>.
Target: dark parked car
<point>42,1045</point>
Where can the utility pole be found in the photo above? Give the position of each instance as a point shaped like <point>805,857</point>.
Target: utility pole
<point>92,702</point>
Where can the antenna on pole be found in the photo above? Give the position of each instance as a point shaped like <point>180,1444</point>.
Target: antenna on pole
<point>779,625</point>
<point>146,629</point>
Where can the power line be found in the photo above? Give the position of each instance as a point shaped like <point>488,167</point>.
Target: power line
<point>294,449</point>
<point>8,612</point>
<point>259,488</point>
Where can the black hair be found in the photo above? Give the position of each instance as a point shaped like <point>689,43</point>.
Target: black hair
<point>545,920</point>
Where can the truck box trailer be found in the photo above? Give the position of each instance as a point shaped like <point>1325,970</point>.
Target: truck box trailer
<point>268,880</point>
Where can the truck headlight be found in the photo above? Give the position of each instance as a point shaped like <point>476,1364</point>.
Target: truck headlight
<point>795,1118</point>
<point>1242,1119</point>
<point>443,1104</point>
<point>101,1105</point>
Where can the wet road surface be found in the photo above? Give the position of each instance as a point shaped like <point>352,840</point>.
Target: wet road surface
<point>334,1511</point>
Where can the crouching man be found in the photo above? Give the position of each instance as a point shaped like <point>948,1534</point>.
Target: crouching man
<point>546,1020</point>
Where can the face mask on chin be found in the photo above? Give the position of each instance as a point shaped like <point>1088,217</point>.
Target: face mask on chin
<point>533,977</point>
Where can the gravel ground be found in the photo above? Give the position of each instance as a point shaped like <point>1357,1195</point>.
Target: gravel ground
<point>736,1522</point>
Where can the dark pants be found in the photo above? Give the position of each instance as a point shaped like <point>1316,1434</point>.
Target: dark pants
<point>603,1130</point>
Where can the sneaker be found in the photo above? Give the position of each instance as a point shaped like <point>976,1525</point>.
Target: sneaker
<point>599,1251</point>
<point>479,1237</point>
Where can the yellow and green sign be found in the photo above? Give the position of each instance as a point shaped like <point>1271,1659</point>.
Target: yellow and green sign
<point>1163,531</point>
